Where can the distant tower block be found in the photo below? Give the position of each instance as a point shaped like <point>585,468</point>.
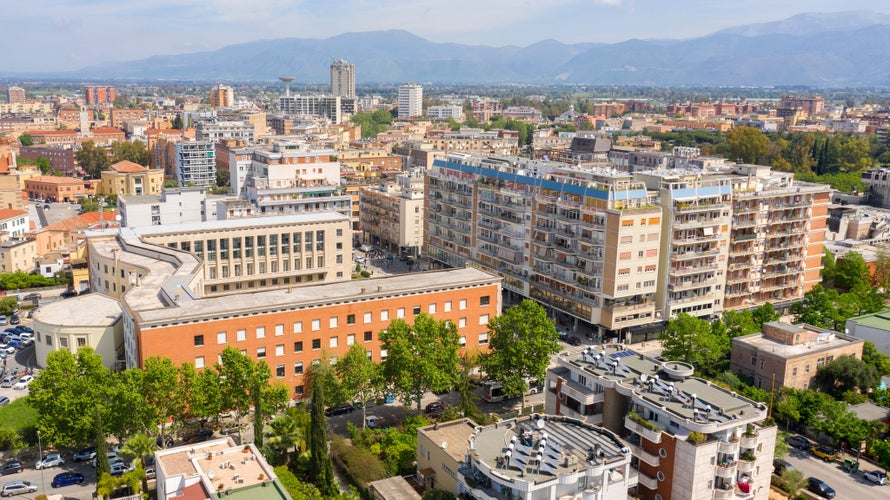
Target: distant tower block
<point>286,80</point>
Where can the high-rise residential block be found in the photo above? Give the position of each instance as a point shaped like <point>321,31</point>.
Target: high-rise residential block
<point>222,96</point>
<point>319,105</point>
<point>410,101</point>
<point>343,79</point>
<point>392,213</point>
<point>98,95</point>
<point>15,95</point>
<point>195,163</point>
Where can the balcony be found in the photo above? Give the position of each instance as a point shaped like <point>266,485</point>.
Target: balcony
<point>645,456</point>
<point>684,208</point>
<point>678,256</point>
<point>749,442</point>
<point>723,494</point>
<point>686,285</point>
<point>647,481</point>
<point>684,271</point>
<point>637,428</point>
<point>727,470</point>
<point>747,466</point>
<point>728,447</point>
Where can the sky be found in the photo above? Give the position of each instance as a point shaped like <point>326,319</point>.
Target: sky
<point>61,35</point>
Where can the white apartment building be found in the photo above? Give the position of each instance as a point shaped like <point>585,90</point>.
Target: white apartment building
<point>217,130</point>
<point>392,213</point>
<point>343,79</point>
<point>318,105</point>
<point>445,112</point>
<point>195,164</point>
<point>172,206</point>
<point>13,223</point>
<point>690,439</point>
<point>410,101</point>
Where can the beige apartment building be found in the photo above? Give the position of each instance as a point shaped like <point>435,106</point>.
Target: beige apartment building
<point>18,255</point>
<point>126,178</point>
<point>392,213</point>
<point>251,253</point>
<point>790,353</point>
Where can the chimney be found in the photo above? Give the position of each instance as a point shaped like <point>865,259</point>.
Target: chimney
<point>379,288</point>
<point>363,290</point>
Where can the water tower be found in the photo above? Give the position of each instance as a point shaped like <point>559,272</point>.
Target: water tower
<point>286,80</point>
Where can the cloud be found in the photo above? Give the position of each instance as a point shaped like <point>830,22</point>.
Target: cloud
<point>610,3</point>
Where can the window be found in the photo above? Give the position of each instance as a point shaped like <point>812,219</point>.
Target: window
<point>221,338</point>
<point>483,319</point>
<point>279,330</point>
<point>260,352</point>
<point>400,312</point>
<point>447,307</point>
<point>298,392</point>
<point>261,332</point>
<point>298,327</point>
<point>316,325</point>
<point>368,317</point>
<point>316,344</point>
<point>298,346</point>
<point>483,338</point>
<point>199,341</point>
<point>462,323</point>
<point>484,300</point>
<point>624,255</point>
<point>350,319</point>
<point>241,335</point>
<point>279,371</point>
<point>63,342</point>
<point>462,305</point>
<point>333,342</point>
<point>384,315</point>
<point>199,362</point>
<point>81,342</point>
<point>432,308</point>
<point>794,371</point>
<point>416,310</point>
<point>369,336</point>
<point>463,340</point>
<point>298,368</point>
<point>279,350</point>
<point>332,323</point>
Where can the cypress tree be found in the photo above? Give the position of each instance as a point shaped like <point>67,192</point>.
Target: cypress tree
<point>321,470</point>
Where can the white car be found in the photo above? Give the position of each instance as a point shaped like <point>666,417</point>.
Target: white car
<point>23,383</point>
<point>112,458</point>
<point>7,349</point>
<point>49,460</point>
<point>876,477</point>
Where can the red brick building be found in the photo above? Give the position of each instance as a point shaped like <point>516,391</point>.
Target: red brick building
<point>98,95</point>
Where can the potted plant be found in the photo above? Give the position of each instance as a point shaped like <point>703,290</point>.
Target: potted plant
<point>220,486</point>
<point>262,476</point>
<point>246,449</point>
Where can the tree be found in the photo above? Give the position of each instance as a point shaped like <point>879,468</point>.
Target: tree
<point>739,323</point>
<point>764,314</point>
<point>881,273</point>
<point>321,469</point>
<point>159,390</point>
<point>691,340</point>
<point>26,140</point>
<point>793,480</point>
<point>781,447</point>
<point>420,357</point>
<point>359,376</point>
<point>818,308</point>
<point>747,144</point>
<point>244,383</point>
<point>851,270</point>
<point>881,449</point>
<point>8,304</point>
<point>521,343</point>
<point>140,446</point>
<point>873,357</point>
<point>223,177</point>
<point>287,432</point>
<point>135,152</point>
<point>177,122</point>
<point>92,159</point>
<point>847,373</point>
<point>829,263</point>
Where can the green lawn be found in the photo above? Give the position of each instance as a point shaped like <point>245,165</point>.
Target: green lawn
<point>18,415</point>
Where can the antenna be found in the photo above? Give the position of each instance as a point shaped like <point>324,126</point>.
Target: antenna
<point>286,80</point>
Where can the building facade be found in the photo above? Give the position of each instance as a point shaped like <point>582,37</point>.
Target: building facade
<point>222,96</point>
<point>690,439</point>
<point>58,189</point>
<point>789,355</point>
<point>219,130</point>
<point>392,213</point>
<point>63,325</point>
<point>318,105</point>
<point>18,254</point>
<point>410,101</point>
<point>93,95</point>
<point>343,79</point>
<point>170,206</point>
<point>126,178</point>
<point>445,112</point>
<point>195,164</point>
<point>15,95</point>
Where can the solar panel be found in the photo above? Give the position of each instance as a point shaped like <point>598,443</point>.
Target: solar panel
<point>545,467</point>
<point>622,354</point>
<point>522,449</point>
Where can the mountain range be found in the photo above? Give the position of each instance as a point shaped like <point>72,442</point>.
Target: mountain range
<point>837,49</point>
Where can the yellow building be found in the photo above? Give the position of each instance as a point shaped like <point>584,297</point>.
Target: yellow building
<point>17,255</point>
<point>126,178</point>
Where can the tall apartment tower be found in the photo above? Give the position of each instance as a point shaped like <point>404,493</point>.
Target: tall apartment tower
<point>15,94</point>
<point>342,78</point>
<point>98,95</point>
<point>196,163</point>
<point>410,100</point>
<point>222,96</point>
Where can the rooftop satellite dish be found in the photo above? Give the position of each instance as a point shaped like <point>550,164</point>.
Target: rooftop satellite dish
<point>541,423</point>
<point>444,445</point>
<point>644,377</point>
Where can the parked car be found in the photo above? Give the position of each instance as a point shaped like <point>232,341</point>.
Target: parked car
<point>8,382</point>
<point>164,442</point>
<point>799,442</point>
<point>876,477</point>
<point>339,410</point>
<point>11,467</point>
<point>15,343</point>
<point>375,422</point>
<point>32,296</point>
<point>112,458</point>
<point>119,469</point>
<point>820,488</point>
<point>230,429</point>
<point>4,401</point>
<point>780,466</point>
<point>7,349</point>
<point>17,488</point>
<point>84,454</point>
<point>50,460</point>
<point>434,409</point>
<point>67,479</point>
<point>14,319</point>
<point>25,329</point>
<point>197,436</point>
<point>68,294</point>
<point>824,452</point>
<point>23,383</point>
<point>3,320</point>
<point>573,341</point>
<point>563,335</point>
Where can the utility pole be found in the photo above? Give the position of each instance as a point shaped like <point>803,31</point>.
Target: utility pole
<point>772,389</point>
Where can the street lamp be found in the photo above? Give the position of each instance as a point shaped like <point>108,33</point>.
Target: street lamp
<point>40,457</point>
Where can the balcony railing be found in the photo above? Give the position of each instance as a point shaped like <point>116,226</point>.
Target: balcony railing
<point>647,480</point>
<point>651,435</point>
<point>650,458</point>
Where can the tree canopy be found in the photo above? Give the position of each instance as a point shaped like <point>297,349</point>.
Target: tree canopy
<point>692,340</point>
<point>134,151</point>
<point>92,159</point>
<point>847,373</point>
<point>747,144</point>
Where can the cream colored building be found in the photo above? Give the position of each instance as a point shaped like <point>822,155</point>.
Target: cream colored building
<point>246,254</point>
<point>126,178</point>
<point>392,214</point>
<point>18,255</point>
<point>63,325</point>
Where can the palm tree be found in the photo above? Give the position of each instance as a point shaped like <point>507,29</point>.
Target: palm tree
<point>286,432</point>
<point>140,446</point>
<point>106,485</point>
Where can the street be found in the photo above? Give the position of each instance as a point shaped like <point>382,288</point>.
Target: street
<point>847,485</point>
<point>45,478</point>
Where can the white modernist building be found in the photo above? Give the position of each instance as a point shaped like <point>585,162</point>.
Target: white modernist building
<point>410,100</point>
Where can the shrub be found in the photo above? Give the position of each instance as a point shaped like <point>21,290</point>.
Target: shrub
<point>363,466</point>
<point>296,488</point>
<point>697,438</point>
<point>366,274</point>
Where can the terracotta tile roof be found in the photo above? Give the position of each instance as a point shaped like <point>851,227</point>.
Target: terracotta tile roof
<point>128,167</point>
<point>52,132</point>
<point>83,221</point>
<point>107,130</point>
<point>52,179</point>
<point>9,213</point>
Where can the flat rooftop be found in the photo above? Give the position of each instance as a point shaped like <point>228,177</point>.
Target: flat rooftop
<point>103,310</point>
<point>566,445</point>
<point>667,385</point>
<point>240,223</point>
<point>769,346</point>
